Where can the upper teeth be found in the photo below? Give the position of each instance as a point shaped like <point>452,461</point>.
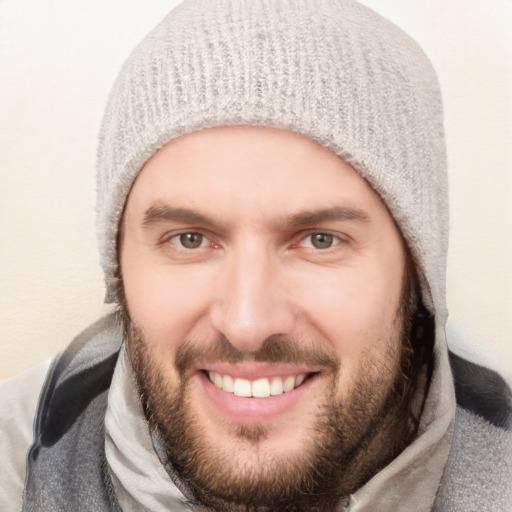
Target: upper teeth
<point>260,388</point>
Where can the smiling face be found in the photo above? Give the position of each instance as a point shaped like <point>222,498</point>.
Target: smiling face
<point>264,289</point>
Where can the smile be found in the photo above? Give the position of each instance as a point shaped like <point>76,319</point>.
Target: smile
<point>252,393</point>
<point>260,388</point>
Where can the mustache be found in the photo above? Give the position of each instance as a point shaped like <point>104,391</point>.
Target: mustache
<point>274,349</point>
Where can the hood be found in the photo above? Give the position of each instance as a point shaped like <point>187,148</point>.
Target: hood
<point>338,73</point>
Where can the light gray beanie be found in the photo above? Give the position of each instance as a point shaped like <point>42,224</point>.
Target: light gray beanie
<point>332,70</point>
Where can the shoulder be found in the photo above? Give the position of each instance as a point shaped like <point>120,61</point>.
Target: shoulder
<point>19,396</point>
<point>65,463</point>
<point>82,372</point>
<point>482,392</point>
<point>51,394</point>
<point>478,473</point>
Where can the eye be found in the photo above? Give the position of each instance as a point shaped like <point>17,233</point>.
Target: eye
<point>190,240</point>
<point>320,241</point>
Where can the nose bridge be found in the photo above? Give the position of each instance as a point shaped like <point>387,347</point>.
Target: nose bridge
<point>251,304</point>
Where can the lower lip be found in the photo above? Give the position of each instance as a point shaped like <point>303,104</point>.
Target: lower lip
<point>252,410</point>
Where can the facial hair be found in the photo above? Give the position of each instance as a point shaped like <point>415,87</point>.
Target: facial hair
<point>351,439</point>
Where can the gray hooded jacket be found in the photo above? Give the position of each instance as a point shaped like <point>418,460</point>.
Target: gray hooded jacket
<point>357,85</point>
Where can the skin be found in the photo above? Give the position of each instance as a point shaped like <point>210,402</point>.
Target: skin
<point>259,201</point>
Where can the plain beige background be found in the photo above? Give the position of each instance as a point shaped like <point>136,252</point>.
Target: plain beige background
<point>58,60</point>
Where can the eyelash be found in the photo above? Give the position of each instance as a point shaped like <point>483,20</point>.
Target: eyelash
<point>334,239</point>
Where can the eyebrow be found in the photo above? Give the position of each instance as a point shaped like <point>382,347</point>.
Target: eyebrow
<point>339,213</point>
<point>161,212</point>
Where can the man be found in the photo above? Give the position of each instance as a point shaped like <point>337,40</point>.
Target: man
<point>272,221</point>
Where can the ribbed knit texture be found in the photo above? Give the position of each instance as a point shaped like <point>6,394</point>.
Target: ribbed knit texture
<point>332,70</point>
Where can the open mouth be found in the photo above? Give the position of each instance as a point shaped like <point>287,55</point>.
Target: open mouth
<point>259,388</point>
<point>253,393</point>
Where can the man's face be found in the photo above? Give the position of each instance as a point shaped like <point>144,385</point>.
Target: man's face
<point>256,262</point>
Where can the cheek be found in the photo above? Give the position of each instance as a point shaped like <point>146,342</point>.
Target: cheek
<point>355,311</point>
<point>169,304</point>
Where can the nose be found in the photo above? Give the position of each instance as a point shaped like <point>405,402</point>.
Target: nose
<point>252,302</point>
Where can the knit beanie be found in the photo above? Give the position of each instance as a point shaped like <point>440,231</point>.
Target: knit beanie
<point>331,70</point>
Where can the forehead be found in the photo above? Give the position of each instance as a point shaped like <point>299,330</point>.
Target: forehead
<point>250,170</point>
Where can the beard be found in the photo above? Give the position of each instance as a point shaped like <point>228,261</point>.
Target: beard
<point>351,439</point>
